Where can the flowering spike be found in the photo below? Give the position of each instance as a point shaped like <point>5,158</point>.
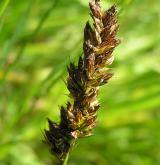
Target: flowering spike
<point>79,118</point>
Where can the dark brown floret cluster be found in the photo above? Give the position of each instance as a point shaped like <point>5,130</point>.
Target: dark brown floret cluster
<point>84,79</point>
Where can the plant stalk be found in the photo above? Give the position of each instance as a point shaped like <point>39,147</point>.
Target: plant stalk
<point>66,160</point>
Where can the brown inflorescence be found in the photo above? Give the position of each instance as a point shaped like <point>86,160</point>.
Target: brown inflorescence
<point>84,79</point>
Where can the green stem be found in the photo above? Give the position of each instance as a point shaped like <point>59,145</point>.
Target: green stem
<point>66,160</point>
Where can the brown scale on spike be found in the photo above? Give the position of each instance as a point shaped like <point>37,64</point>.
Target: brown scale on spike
<point>79,118</point>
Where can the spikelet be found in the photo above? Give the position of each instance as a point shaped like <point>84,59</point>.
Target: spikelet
<point>83,82</point>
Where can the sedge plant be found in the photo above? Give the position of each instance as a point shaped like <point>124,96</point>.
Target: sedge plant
<point>78,117</point>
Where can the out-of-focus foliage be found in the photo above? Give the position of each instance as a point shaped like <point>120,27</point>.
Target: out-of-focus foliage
<point>37,40</point>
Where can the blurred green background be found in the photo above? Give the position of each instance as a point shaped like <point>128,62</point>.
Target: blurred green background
<point>38,39</point>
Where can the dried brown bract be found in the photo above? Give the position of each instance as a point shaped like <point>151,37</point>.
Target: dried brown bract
<point>79,118</point>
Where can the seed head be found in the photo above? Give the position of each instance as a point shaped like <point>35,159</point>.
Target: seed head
<point>79,118</point>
